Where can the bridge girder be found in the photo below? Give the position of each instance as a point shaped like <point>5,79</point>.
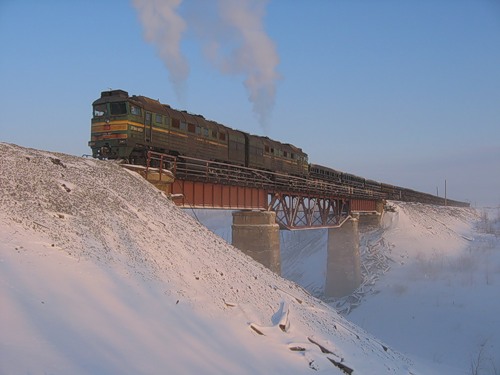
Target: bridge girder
<point>299,211</point>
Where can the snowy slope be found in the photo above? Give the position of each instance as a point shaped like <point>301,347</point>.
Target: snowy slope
<point>440,299</point>
<point>101,274</point>
<point>303,253</point>
<point>431,282</point>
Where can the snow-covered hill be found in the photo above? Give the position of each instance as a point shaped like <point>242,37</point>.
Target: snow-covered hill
<point>101,274</point>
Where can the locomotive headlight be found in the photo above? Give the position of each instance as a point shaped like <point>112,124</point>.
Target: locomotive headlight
<point>122,142</point>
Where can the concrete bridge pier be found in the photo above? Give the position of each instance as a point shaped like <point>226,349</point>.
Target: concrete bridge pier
<point>343,270</point>
<point>257,235</point>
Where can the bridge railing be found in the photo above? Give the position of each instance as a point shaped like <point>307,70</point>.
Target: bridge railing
<point>193,169</point>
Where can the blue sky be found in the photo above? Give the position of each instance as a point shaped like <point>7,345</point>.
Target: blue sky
<point>405,92</point>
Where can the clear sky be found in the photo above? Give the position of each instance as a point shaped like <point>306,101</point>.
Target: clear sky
<point>400,91</point>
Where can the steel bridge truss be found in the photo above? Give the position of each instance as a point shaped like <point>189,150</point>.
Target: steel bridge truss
<point>298,211</point>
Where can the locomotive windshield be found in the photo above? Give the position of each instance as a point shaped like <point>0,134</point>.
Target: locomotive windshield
<point>118,108</point>
<point>115,109</point>
<point>100,110</point>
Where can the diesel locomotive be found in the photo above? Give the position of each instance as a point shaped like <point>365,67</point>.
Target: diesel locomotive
<point>127,127</point>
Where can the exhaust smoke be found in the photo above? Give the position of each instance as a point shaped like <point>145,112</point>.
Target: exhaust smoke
<point>164,27</point>
<point>233,38</point>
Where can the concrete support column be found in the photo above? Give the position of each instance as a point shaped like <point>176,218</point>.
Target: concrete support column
<point>257,235</point>
<point>343,270</point>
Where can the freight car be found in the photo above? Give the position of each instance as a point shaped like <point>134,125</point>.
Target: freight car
<point>324,173</point>
<point>126,127</point>
<point>331,175</point>
<point>398,193</point>
<point>388,191</point>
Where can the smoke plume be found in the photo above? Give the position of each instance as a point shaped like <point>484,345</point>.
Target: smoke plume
<point>233,38</point>
<point>164,27</point>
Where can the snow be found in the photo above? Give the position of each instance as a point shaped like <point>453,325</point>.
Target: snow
<point>432,282</point>
<point>100,273</point>
<point>440,299</point>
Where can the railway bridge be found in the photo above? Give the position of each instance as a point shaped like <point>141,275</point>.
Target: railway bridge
<point>265,202</point>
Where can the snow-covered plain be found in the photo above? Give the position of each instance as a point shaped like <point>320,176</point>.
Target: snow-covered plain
<point>100,273</point>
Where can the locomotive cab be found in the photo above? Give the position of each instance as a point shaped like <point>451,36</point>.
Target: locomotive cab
<point>110,130</point>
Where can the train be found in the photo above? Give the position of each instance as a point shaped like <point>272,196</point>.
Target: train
<point>127,127</point>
